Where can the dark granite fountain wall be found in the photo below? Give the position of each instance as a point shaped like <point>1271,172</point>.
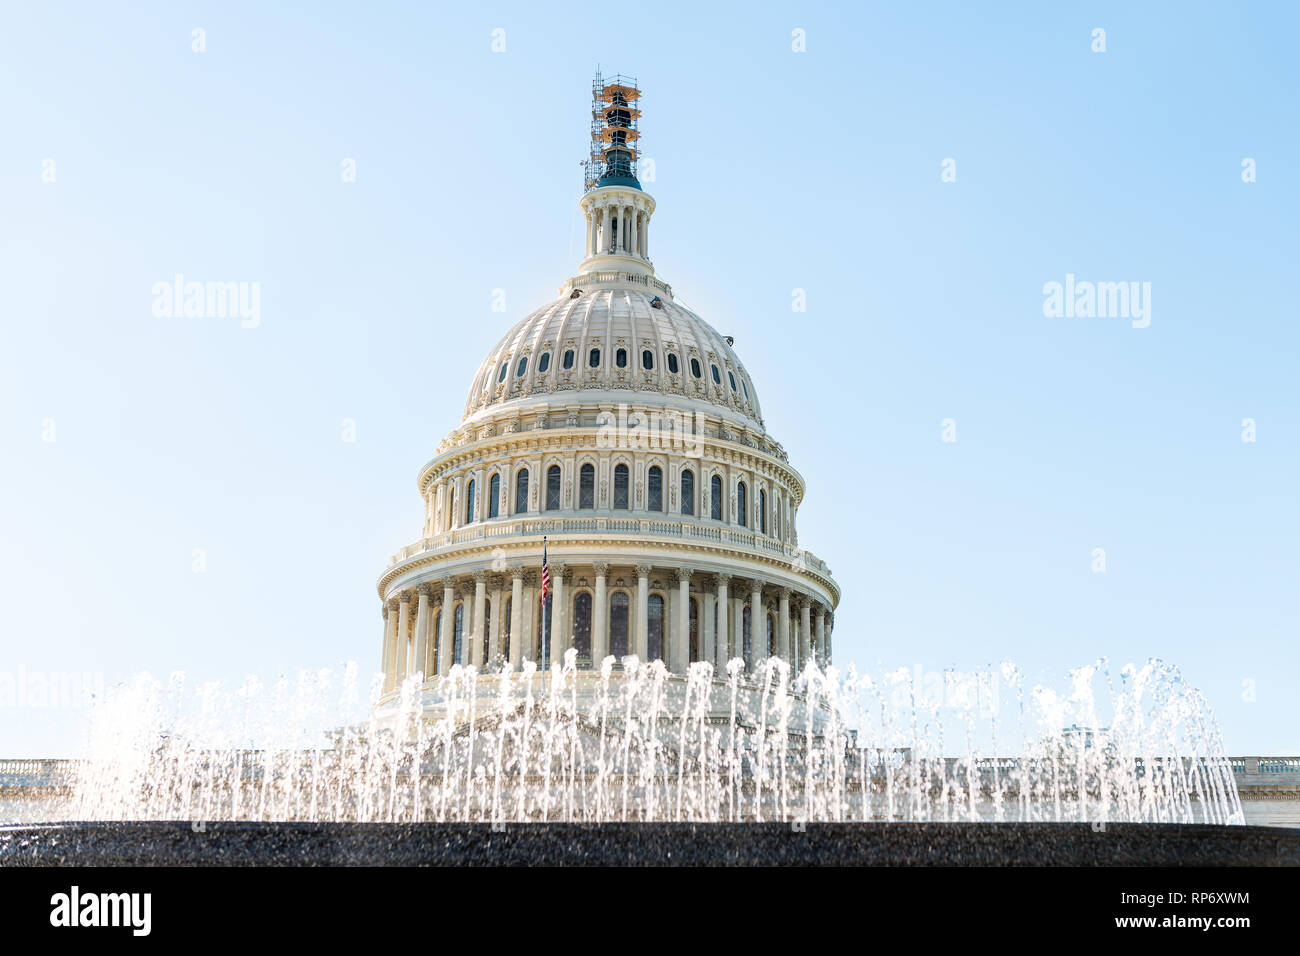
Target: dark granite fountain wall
<point>635,844</point>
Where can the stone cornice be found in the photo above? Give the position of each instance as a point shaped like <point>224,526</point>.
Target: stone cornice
<point>674,551</point>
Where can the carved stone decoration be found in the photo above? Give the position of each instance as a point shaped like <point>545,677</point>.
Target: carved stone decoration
<point>601,568</point>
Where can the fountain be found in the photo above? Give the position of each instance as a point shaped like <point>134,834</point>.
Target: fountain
<point>632,749</point>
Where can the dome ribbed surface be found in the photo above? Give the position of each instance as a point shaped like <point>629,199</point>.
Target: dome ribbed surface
<point>613,319</point>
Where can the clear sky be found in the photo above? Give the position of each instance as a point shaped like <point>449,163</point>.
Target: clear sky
<point>131,440</point>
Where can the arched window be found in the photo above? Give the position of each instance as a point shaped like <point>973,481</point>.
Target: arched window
<point>620,358</point>
<point>696,650</point>
<point>747,637</point>
<point>618,624</point>
<point>523,367</point>
<point>587,486</point>
<point>695,367</point>
<point>469,501</point>
<point>544,362</point>
<point>501,376</point>
<point>762,511</point>
<point>521,491</point>
<point>494,496</point>
<point>655,488</point>
<point>740,504</point>
<point>582,626</point>
<point>717,379</point>
<point>771,635</point>
<point>732,378</point>
<point>688,492</point>
<point>655,628</point>
<point>553,488</point>
<point>672,363</point>
<point>715,495</point>
<point>568,359</point>
<point>620,487</point>
<point>647,359</point>
<point>593,358</point>
<point>458,634</point>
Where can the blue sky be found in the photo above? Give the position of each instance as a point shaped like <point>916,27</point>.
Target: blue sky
<point>775,171</point>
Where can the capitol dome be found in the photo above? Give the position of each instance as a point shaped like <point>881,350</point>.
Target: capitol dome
<point>611,491</point>
<point>615,333</point>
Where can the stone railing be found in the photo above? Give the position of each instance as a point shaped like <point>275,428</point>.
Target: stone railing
<point>36,773</point>
<point>614,276</point>
<point>1265,771</point>
<point>799,559</point>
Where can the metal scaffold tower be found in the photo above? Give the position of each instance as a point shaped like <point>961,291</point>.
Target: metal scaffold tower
<point>614,134</point>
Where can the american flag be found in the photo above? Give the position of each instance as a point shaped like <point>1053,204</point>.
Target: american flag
<point>546,574</point>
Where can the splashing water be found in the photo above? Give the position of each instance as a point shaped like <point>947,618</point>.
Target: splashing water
<point>633,743</point>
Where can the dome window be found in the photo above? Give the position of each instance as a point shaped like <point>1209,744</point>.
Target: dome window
<point>594,358</point>
<point>620,487</point>
<point>568,358</point>
<point>620,358</point>
<point>523,367</point>
<point>655,488</point>
<point>672,363</point>
<point>647,360</point>
<point>544,362</point>
<point>732,379</point>
<point>695,367</point>
<point>501,376</point>
<point>717,379</point>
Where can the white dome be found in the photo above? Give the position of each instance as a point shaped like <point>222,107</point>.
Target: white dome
<point>607,316</point>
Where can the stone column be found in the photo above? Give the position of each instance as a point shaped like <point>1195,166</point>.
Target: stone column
<point>422,633</point>
<point>386,647</point>
<point>783,624</point>
<point>600,616</point>
<point>707,631</point>
<point>805,629</point>
<point>681,655</point>
<point>757,622</point>
<point>561,639</point>
<point>480,601</point>
<point>590,219</point>
<point>632,242</point>
<point>645,237</point>
<point>498,612</point>
<point>403,636</point>
<point>642,634</point>
<point>517,616</point>
<point>723,641</point>
<point>821,636</point>
<point>738,627</point>
<point>532,622</point>
<point>448,623</point>
<point>830,641</point>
